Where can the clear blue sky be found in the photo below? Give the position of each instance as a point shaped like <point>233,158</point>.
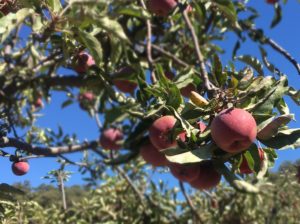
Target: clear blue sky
<point>74,120</point>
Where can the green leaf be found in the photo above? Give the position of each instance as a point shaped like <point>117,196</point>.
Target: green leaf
<point>66,103</point>
<point>234,181</point>
<point>278,15</point>
<point>218,71</point>
<point>112,26</point>
<point>194,156</point>
<point>92,44</point>
<point>134,10</point>
<point>55,5</point>
<point>269,66</point>
<point>284,139</point>
<point>226,7</point>
<point>12,21</point>
<point>271,128</point>
<point>253,62</point>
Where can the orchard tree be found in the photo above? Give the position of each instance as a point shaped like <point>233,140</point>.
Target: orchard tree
<point>151,76</point>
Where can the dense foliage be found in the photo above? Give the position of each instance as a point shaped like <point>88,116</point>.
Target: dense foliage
<point>115,202</point>
<point>151,75</point>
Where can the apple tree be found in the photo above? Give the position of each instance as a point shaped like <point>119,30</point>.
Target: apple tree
<point>151,75</point>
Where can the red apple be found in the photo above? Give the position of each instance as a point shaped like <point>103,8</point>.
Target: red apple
<point>125,86</point>
<point>152,155</point>
<point>186,173</point>
<point>160,130</point>
<point>201,126</point>
<point>161,7</point>
<point>110,139</point>
<point>271,1</point>
<point>83,62</point>
<point>20,168</point>
<point>38,103</point>
<point>186,91</point>
<point>86,96</point>
<point>208,177</point>
<point>244,167</point>
<point>233,130</point>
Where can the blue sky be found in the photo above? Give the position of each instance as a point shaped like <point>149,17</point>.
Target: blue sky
<point>74,120</point>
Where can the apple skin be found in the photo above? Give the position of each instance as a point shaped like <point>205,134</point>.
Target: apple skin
<point>152,155</point>
<point>271,1</point>
<point>20,168</point>
<point>161,7</point>
<point>110,137</point>
<point>38,103</point>
<point>88,96</point>
<point>208,177</point>
<point>186,173</point>
<point>83,62</point>
<point>186,91</point>
<point>159,132</point>
<point>125,86</point>
<point>244,167</point>
<point>233,130</point>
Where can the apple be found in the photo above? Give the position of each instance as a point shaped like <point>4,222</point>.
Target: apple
<point>201,126</point>
<point>185,173</point>
<point>122,83</point>
<point>271,1</point>
<point>233,130</point>
<point>125,86</point>
<point>20,168</point>
<point>152,155</point>
<point>186,91</point>
<point>208,177</point>
<point>244,167</point>
<point>161,7</point>
<point>86,96</point>
<point>83,62</point>
<point>38,103</point>
<point>160,130</point>
<point>110,138</point>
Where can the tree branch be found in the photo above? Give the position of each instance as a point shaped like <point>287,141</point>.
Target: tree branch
<point>190,203</point>
<point>45,151</point>
<point>203,72</point>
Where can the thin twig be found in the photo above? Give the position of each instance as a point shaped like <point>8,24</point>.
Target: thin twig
<point>203,72</point>
<point>190,203</point>
<point>149,44</point>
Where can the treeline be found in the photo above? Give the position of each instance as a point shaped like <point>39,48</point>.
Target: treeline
<point>117,201</point>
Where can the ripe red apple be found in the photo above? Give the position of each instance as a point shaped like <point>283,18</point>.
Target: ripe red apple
<point>159,132</point>
<point>271,1</point>
<point>161,7</point>
<point>152,155</point>
<point>110,137</point>
<point>208,177</point>
<point>20,168</point>
<point>83,62</point>
<point>121,82</point>
<point>38,103</point>
<point>244,167</point>
<point>233,130</point>
<point>186,173</point>
<point>125,86</point>
<point>86,96</point>
<point>201,126</point>
<point>186,91</point>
